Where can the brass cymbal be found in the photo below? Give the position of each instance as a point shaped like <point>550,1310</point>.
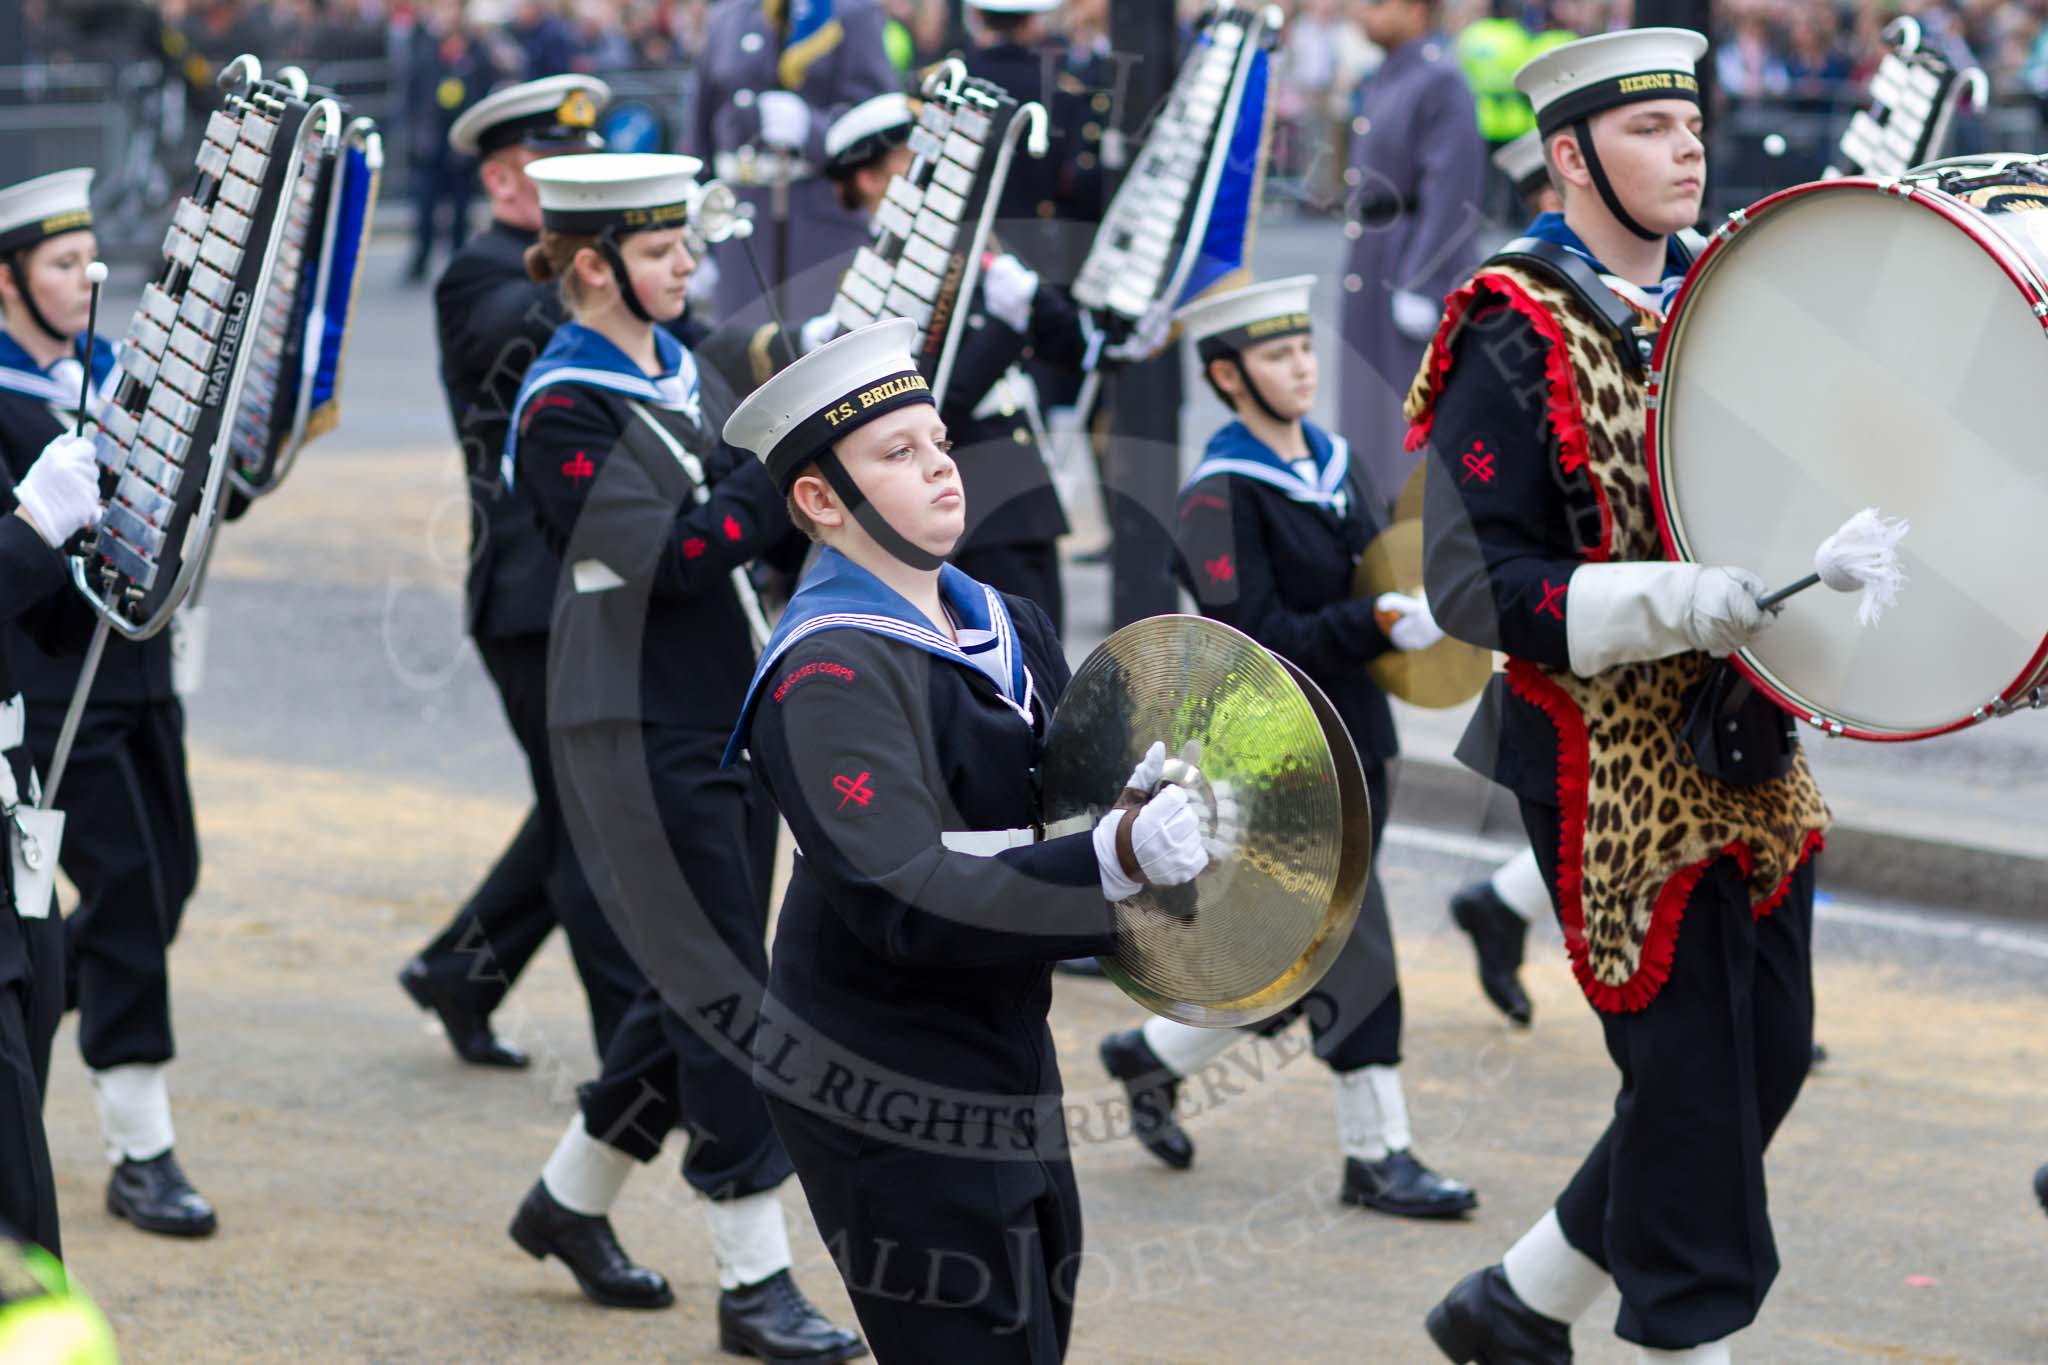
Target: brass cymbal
<point>1445,674</point>
<point>1268,918</point>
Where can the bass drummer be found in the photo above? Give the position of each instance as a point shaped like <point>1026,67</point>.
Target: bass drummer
<point>1271,526</point>
<point>1685,892</point>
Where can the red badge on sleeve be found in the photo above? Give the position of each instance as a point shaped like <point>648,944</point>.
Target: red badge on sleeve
<point>1478,463</point>
<point>579,468</point>
<point>1552,604</point>
<point>732,527</point>
<point>1219,569</point>
<point>693,548</point>
<point>852,788</point>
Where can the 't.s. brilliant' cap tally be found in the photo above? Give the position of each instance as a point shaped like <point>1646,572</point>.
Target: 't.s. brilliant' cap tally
<point>45,207</point>
<point>555,114</point>
<point>1229,322</point>
<point>622,191</point>
<point>867,130</point>
<point>1581,79</point>
<point>836,389</point>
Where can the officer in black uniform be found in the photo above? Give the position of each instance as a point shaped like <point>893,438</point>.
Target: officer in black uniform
<point>130,845</point>
<point>493,319</point>
<point>1051,204</point>
<point>652,645</point>
<point>62,486</point>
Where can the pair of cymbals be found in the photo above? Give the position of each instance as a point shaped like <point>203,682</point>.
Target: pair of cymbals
<point>1449,672</point>
<point>1287,867</point>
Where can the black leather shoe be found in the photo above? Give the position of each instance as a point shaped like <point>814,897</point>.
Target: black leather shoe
<point>773,1320</point>
<point>590,1249</point>
<point>1399,1184</point>
<point>1079,966</point>
<point>1497,935</point>
<point>468,1032</point>
<point>1152,1090</point>
<point>2041,1187</point>
<point>155,1196</point>
<point>1482,1320</point>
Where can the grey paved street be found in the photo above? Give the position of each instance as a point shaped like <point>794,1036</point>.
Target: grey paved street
<point>354,777</point>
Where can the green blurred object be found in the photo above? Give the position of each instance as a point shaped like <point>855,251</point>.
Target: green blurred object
<point>45,1319</point>
<point>901,47</point>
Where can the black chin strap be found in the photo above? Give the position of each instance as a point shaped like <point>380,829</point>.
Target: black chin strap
<point>871,519</point>
<point>1583,131</point>
<point>28,300</point>
<point>1251,387</point>
<point>608,244</point>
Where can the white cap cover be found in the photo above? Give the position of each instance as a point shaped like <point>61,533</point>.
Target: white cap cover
<point>836,389</point>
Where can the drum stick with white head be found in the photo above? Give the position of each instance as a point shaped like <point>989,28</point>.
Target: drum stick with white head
<point>1862,556</point>
<point>96,275</point>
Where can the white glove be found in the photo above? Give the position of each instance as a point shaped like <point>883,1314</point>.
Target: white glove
<point>1416,315</point>
<point>61,491</point>
<point>1007,289</point>
<point>816,332</point>
<point>1147,337</point>
<point>1413,627</point>
<point>1632,613</point>
<point>1166,839</point>
<point>785,118</point>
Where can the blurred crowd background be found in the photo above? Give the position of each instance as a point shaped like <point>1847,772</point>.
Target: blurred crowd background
<point>116,83</point>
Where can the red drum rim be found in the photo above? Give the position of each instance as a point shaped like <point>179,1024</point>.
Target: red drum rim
<point>2030,286</point>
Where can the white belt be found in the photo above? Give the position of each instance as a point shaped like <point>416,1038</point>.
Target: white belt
<point>13,722</point>
<point>759,167</point>
<point>986,843</point>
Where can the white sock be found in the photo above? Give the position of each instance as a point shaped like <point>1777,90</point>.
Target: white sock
<point>749,1238</point>
<point>1184,1048</point>
<point>1520,885</point>
<point>1550,1274</point>
<point>584,1175</point>
<point>1372,1113</point>
<point>135,1111</point>
<point>1706,1353</point>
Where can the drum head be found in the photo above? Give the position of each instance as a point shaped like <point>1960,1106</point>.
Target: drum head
<point>1849,349</point>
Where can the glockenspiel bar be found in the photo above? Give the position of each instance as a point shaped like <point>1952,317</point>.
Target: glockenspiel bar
<point>903,304</point>
<point>852,317</point>
<point>240,195</point>
<point>923,252</point>
<point>919,281</point>
<point>222,129</point>
<point>144,499</point>
<point>248,162</point>
<point>139,363</point>
<point>148,336</point>
<point>187,342</point>
<point>964,151</point>
<point>181,375</point>
<point>941,231</point>
<point>864,294</point>
<point>157,304</point>
<point>893,221</point>
<point>119,423</point>
<point>128,562</point>
<point>946,204</point>
<point>200,315</point>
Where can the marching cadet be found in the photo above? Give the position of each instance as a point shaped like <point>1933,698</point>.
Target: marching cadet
<point>56,498</point>
<point>1495,913</point>
<point>130,845</point>
<point>766,94</point>
<point>493,319</point>
<point>1417,185</point>
<point>1691,936</point>
<point>1272,522</point>
<point>650,654</point>
<point>899,714</point>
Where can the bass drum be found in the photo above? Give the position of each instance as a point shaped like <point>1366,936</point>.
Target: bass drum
<point>1860,343</point>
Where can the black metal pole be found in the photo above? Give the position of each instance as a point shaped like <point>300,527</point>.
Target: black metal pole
<point>1141,465</point>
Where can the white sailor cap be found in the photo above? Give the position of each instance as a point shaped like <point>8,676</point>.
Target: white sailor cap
<point>866,131</point>
<point>620,191</point>
<point>1521,161</point>
<point>1581,79</point>
<point>557,114</point>
<point>1014,6</point>
<point>1226,323</point>
<point>43,207</point>
<point>838,388</point>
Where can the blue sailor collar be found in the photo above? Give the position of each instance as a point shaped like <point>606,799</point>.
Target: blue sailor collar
<point>1234,450</point>
<point>838,594</point>
<point>577,355</point>
<point>19,373</point>
<point>1551,227</point>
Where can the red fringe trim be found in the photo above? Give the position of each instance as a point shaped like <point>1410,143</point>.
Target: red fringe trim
<point>1661,943</point>
<point>1563,400</point>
